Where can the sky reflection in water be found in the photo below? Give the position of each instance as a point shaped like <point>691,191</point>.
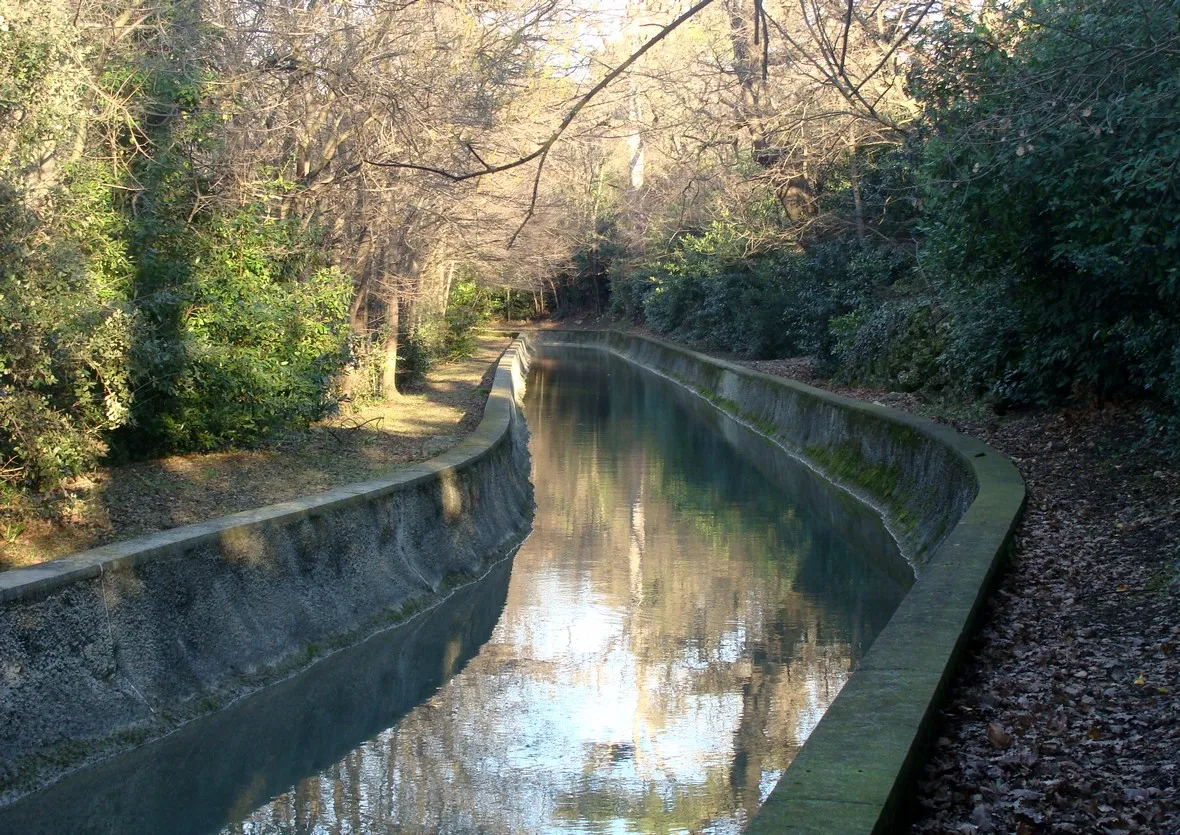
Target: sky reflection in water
<point>686,608</point>
<point>689,603</point>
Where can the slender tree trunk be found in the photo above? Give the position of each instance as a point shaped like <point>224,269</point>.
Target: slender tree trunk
<point>358,321</point>
<point>636,147</point>
<point>389,365</point>
<point>635,143</point>
<point>358,310</point>
<point>446,298</point>
<point>854,178</point>
<point>556,299</point>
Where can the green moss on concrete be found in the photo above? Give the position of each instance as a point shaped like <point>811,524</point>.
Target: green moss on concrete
<point>455,579</point>
<point>845,461</point>
<point>67,753</point>
<point>879,481</point>
<point>728,406</point>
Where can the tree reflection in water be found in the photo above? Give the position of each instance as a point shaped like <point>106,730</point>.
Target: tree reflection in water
<point>688,605</point>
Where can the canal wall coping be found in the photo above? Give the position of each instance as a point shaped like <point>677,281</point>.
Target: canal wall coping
<point>951,501</point>
<point>105,649</point>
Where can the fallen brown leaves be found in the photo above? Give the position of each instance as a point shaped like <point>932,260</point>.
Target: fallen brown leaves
<point>1065,715</point>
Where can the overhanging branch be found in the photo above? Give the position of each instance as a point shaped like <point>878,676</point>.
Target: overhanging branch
<point>543,149</point>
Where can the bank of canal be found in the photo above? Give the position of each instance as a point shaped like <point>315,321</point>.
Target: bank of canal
<point>689,603</point>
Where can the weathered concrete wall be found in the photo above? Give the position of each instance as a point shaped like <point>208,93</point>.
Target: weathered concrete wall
<point>952,502</point>
<point>920,485</point>
<point>107,648</point>
<point>257,748</point>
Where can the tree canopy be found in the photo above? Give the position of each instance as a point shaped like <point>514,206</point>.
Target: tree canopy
<point>219,217</point>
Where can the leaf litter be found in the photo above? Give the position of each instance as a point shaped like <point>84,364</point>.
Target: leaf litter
<point>1064,714</point>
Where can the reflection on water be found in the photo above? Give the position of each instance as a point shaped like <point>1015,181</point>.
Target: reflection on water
<point>688,605</point>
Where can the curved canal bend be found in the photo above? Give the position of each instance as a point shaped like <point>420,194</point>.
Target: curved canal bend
<point>689,603</point>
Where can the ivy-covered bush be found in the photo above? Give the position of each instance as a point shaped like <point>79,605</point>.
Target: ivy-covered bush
<point>240,324</point>
<point>1051,198</point>
<point>64,339</point>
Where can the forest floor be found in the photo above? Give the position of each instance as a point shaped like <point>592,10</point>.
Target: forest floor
<point>121,502</point>
<point>1065,714</point>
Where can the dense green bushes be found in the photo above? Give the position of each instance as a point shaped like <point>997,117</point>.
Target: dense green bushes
<point>1025,240</point>
<point>140,311</point>
<point>1052,204</point>
<point>774,304</point>
<point>240,332</point>
<point>65,322</point>
<point>64,339</point>
<point>240,325</point>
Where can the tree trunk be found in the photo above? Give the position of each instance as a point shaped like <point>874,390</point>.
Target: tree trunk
<point>389,365</point>
<point>556,298</point>
<point>635,143</point>
<point>854,179</point>
<point>636,147</point>
<point>358,320</point>
<point>446,298</point>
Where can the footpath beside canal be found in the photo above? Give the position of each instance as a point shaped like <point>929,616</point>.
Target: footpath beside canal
<point>1063,714</point>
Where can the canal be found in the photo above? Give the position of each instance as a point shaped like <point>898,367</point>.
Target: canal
<point>689,602</point>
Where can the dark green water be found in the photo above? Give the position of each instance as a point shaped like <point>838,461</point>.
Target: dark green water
<point>689,603</point>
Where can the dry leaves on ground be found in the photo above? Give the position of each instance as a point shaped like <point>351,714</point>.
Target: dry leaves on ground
<point>1065,716</point>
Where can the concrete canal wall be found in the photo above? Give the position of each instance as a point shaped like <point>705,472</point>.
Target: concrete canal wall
<point>951,502</point>
<point>105,649</point>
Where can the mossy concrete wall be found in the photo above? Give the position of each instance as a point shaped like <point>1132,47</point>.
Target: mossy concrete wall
<point>108,648</point>
<point>952,503</point>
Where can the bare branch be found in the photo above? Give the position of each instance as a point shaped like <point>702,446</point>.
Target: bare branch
<point>579,105</point>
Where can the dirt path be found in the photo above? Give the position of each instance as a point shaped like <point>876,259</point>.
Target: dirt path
<point>122,502</point>
<point>1065,716</point>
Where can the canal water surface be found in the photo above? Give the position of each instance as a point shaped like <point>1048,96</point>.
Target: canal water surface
<point>688,604</point>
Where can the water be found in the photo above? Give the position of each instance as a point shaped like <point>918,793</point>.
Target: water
<point>689,603</point>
